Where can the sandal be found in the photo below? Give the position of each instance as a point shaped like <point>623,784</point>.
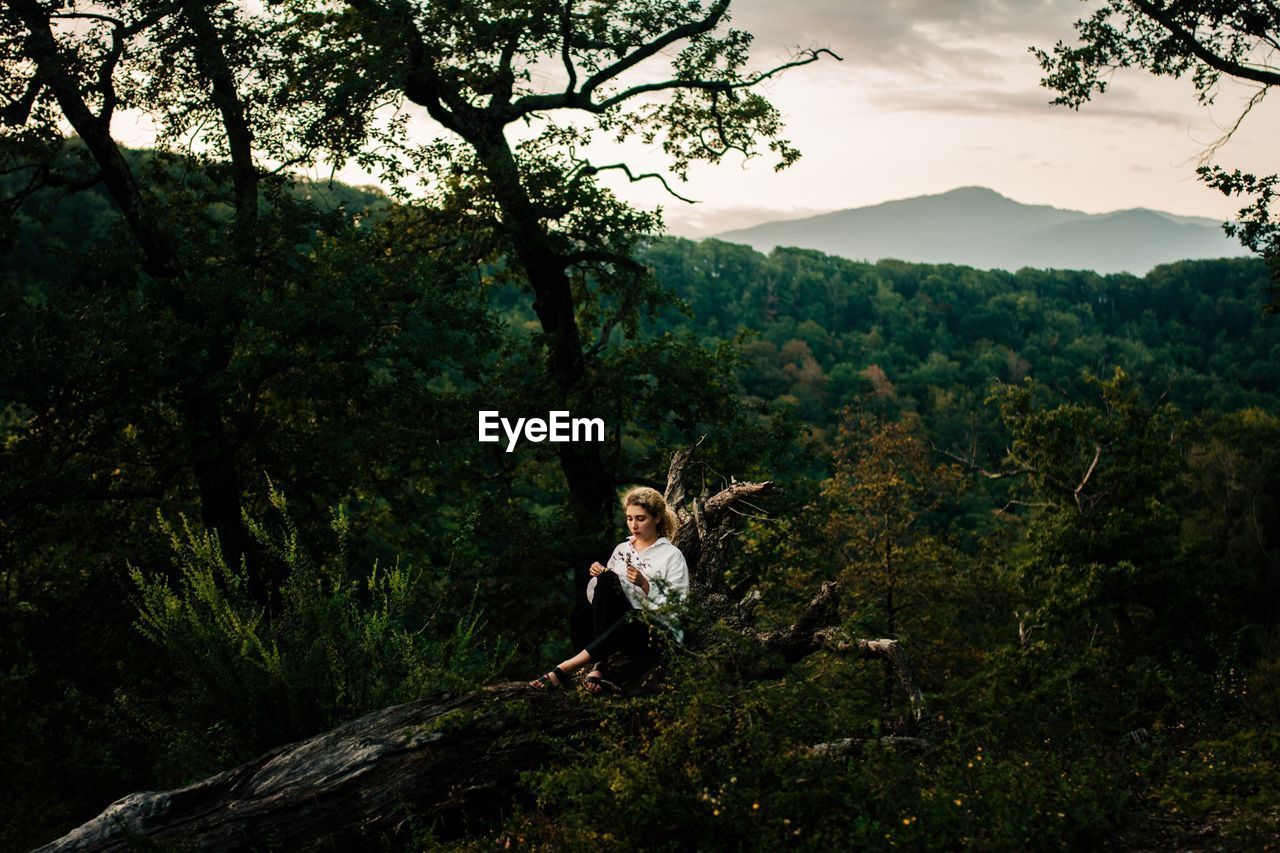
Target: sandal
<point>595,682</point>
<point>548,682</point>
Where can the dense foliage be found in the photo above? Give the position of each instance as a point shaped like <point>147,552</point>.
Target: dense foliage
<point>346,642</point>
<point>928,340</point>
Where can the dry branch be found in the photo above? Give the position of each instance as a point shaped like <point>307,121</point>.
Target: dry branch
<point>856,745</point>
<point>890,650</point>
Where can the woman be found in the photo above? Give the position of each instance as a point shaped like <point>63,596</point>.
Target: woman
<point>645,572</point>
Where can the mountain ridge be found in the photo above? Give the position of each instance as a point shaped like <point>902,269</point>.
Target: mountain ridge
<point>979,227</point>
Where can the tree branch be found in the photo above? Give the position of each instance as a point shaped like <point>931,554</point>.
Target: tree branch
<point>1206,156</point>
<point>86,16</point>
<point>1002,509</point>
<point>813,55</point>
<point>125,29</point>
<point>1087,474</point>
<point>213,64</point>
<point>422,82</point>
<point>890,650</point>
<point>736,492</point>
<point>42,47</point>
<point>582,98</point>
<point>505,78</point>
<point>686,31</point>
<point>806,635</point>
<point>587,170</point>
<point>1161,16</point>
<point>566,33</point>
<point>972,464</point>
<point>856,745</point>
<point>106,73</point>
<point>43,178</point>
<point>17,112</point>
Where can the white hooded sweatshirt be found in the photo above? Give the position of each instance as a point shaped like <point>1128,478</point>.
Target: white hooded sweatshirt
<point>668,574</point>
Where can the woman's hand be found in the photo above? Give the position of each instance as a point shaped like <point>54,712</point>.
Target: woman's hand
<point>597,570</point>
<point>637,577</point>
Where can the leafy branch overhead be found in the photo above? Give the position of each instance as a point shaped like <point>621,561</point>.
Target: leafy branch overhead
<point>1206,39</point>
<point>477,68</point>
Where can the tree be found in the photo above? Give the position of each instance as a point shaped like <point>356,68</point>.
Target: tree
<point>882,492</point>
<point>184,263</point>
<point>477,70</point>
<point>1230,520</point>
<point>326,391</point>
<point>1100,481</point>
<point>1208,39</point>
<point>664,72</point>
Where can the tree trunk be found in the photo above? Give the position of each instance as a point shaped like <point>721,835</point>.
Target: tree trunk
<point>159,259</point>
<point>212,61</point>
<point>210,456</point>
<point>588,479</point>
<point>217,474</point>
<point>590,483</point>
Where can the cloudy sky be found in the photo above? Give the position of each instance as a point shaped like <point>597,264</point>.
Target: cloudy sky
<point>937,94</point>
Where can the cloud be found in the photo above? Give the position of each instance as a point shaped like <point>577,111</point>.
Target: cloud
<point>1119,104</point>
<point>696,222</point>
<point>931,38</point>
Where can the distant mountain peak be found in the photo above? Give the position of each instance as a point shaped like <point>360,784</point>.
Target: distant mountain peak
<point>970,191</point>
<point>977,226</point>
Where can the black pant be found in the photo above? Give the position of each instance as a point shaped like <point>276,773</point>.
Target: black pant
<point>616,626</point>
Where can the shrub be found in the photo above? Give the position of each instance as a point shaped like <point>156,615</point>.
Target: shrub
<point>231,681</point>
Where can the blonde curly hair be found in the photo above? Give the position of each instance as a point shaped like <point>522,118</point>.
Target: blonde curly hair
<point>652,502</point>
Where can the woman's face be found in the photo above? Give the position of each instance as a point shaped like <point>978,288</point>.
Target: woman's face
<point>641,524</point>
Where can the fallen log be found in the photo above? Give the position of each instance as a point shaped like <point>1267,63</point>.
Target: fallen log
<point>446,764</point>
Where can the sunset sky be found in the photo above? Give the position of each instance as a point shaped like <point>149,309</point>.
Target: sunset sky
<point>938,94</point>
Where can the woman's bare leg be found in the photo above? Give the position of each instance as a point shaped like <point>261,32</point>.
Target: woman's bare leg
<point>576,662</point>
<point>568,667</point>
